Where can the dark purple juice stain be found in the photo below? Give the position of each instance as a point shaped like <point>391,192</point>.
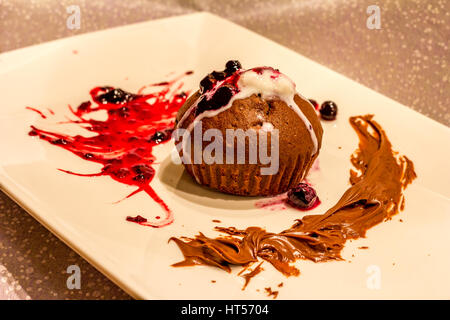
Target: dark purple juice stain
<point>284,201</point>
<point>124,142</point>
<point>138,219</point>
<point>316,165</point>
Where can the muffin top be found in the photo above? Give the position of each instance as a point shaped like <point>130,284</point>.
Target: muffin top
<point>253,88</point>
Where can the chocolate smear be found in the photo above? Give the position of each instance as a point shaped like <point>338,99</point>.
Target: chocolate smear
<point>269,292</point>
<point>249,275</point>
<point>378,180</point>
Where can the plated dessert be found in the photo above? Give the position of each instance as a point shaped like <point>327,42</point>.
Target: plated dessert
<point>246,133</point>
<point>263,97</point>
<point>89,213</point>
<point>376,195</point>
<point>250,103</point>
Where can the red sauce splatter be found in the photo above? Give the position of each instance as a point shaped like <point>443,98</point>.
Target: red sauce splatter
<point>124,142</point>
<point>137,219</point>
<point>43,116</point>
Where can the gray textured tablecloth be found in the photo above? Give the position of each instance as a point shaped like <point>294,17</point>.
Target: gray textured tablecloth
<point>407,60</point>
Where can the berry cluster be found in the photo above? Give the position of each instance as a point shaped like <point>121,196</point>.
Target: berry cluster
<point>223,94</point>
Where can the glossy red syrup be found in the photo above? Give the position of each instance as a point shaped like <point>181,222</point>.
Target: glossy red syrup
<point>124,142</point>
<point>43,116</point>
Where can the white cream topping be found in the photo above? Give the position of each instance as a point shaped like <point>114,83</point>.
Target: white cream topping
<point>267,83</point>
<point>264,81</point>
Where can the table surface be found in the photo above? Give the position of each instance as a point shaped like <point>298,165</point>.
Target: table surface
<point>406,60</point>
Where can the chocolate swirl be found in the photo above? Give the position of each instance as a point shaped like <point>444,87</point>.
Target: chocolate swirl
<point>376,194</point>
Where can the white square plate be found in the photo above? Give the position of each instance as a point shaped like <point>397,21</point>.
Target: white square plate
<point>412,257</point>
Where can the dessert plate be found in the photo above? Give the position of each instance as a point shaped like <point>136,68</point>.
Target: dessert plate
<point>407,257</point>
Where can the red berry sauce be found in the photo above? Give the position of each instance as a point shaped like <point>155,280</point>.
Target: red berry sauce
<point>138,219</point>
<point>43,116</point>
<point>124,142</point>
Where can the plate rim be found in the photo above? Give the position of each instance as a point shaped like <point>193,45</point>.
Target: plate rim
<point>12,190</point>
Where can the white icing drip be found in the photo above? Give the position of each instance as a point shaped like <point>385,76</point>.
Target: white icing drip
<point>269,84</point>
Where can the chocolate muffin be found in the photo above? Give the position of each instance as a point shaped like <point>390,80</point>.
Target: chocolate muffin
<point>248,132</point>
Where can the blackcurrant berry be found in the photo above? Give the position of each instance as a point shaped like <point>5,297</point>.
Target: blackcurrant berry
<point>328,110</point>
